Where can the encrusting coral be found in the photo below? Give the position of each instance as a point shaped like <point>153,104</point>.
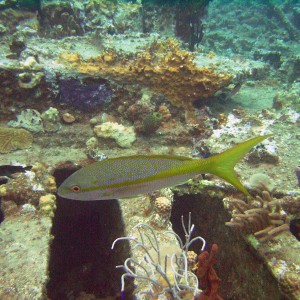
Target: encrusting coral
<point>162,67</point>
<point>163,205</point>
<point>12,139</point>
<point>47,204</point>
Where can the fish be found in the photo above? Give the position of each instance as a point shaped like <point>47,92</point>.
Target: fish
<point>6,171</point>
<point>129,176</point>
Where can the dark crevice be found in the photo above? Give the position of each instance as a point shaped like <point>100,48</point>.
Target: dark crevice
<point>242,271</point>
<point>82,263</point>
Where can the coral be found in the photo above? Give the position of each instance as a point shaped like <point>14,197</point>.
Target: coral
<point>125,20</point>
<point>28,187</point>
<point>263,216</point>
<point>50,119</point>
<point>163,205</point>
<point>12,139</point>
<point>167,275</point>
<point>291,205</point>
<point>68,118</point>
<point>29,119</point>
<point>47,204</point>
<point>30,62</point>
<point>191,257</point>
<point>266,152</point>
<point>207,276</point>
<point>85,95</point>
<point>21,190</point>
<point>30,80</point>
<point>49,183</point>
<point>151,122</point>
<point>92,143</point>
<point>162,67</point>
<point>261,182</point>
<point>111,17</point>
<point>165,113</point>
<point>124,136</point>
<point>60,19</point>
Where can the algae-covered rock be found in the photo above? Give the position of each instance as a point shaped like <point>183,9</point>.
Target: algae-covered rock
<point>124,136</point>
<point>50,119</point>
<point>29,119</point>
<point>152,122</point>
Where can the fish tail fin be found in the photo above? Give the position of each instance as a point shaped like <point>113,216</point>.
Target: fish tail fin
<point>222,165</point>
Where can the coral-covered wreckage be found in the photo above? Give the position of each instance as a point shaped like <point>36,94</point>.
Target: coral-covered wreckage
<point>83,82</point>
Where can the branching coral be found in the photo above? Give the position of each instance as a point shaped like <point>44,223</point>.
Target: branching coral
<point>262,217</point>
<point>162,67</point>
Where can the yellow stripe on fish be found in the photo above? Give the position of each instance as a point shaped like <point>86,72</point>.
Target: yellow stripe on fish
<point>129,176</point>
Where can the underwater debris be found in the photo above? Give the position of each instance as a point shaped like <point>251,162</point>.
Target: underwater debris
<point>163,275</point>
<point>12,139</point>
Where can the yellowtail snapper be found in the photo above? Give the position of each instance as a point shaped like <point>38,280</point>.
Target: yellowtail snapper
<point>129,176</point>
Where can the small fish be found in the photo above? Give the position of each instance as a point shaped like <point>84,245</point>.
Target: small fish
<point>129,176</point>
<point>8,170</point>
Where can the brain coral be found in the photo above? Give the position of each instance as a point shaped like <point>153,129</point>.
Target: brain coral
<point>12,139</point>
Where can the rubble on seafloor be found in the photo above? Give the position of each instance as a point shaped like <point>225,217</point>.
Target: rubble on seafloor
<point>77,87</point>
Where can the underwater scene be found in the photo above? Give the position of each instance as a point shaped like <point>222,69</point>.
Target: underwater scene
<point>149,149</point>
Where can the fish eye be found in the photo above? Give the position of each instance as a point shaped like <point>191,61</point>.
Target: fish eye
<point>75,188</point>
